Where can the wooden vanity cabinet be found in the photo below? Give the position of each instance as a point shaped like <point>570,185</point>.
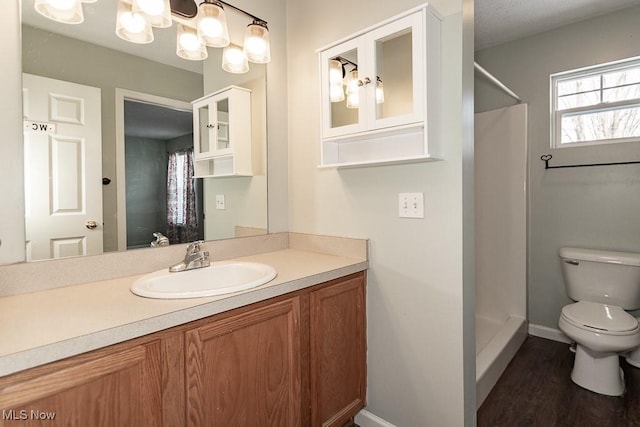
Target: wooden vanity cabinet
<point>338,351</point>
<point>117,386</point>
<point>294,360</point>
<point>245,370</point>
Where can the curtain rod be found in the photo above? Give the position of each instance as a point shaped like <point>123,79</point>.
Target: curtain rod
<point>495,81</point>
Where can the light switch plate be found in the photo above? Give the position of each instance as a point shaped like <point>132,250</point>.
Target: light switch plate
<point>411,205</point>
<point>220,201</point>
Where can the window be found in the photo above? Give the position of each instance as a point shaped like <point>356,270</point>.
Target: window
<point>596,105</point>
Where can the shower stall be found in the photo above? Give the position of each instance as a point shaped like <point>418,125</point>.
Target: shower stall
<point>501,238</point>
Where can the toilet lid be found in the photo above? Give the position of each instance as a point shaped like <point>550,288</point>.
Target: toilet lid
<point>600,316</point>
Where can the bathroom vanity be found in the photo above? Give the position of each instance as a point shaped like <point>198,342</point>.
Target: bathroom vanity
<point>291,353</point>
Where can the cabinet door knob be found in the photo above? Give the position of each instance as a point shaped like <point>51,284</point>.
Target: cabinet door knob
<point>210,126</point>
<point>367,80</point>
<point>91,225</point>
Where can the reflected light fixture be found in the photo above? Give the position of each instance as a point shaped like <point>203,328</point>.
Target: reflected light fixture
<point>157,12</point>
<point>63,11</point>
<point>198,26</point>
<point>132,26</point>
<point>336,92</point>
<point>212,24</point>
<point>189,45</point>
<point>338,78</point>
<point>379,91</point>
<point>234,60</point>
<point>352,87</point>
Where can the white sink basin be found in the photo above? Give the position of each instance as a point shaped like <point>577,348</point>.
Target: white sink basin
<point>219,278</point>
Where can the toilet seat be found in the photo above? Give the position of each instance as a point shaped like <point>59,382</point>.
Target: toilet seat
<point>600,318</point>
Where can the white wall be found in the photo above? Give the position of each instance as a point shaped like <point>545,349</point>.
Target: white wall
<point>594,207</point>
<point>417,366</point>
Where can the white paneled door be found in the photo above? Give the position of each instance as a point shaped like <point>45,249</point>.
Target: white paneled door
<point>63,168</point>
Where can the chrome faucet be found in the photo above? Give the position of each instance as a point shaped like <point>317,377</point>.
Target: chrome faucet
<point>195,258</point>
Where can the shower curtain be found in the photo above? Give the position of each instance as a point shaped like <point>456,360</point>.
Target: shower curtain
<point>182,222</point>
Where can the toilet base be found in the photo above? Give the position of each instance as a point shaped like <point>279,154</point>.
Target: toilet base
<point>598,372</point>
<point>633,358</point>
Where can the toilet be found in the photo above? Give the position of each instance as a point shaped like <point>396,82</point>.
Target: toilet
<point>604,285</point>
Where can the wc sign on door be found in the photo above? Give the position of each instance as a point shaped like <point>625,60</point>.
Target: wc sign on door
<point>39,127</point>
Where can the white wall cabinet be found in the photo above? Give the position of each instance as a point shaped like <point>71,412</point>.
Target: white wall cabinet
<point>222,133</point>
<point>387,111</point>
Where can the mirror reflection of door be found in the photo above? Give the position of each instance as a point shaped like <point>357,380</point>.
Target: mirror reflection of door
<point>63,168</point>
<point>161,194</point>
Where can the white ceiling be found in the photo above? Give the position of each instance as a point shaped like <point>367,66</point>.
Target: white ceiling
<point>500,21</point>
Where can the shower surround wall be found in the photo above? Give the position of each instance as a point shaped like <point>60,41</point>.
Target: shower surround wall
<point>501,240</point>
<point>594,207</point>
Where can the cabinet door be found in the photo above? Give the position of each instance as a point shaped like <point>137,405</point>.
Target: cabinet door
<point>220,124</point>
<point>245,370</point>
<point>396,63</point>
<point>341,108</point>
<point>338,352</point>
<point>203,119</point>
<point>123,388</point>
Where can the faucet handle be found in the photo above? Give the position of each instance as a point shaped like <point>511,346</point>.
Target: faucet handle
<point>195,247</point>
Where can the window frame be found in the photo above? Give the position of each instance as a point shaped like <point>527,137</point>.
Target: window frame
<point>585,72</point>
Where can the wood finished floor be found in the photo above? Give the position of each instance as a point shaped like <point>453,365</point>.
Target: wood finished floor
<point>536,390</point>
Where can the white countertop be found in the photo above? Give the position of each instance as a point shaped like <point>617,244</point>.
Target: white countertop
<point>50,325</point>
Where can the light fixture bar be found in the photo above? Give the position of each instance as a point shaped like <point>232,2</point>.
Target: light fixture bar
<point>260,20</point>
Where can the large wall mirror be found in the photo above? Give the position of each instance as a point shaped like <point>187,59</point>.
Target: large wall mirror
<point>82,84</point>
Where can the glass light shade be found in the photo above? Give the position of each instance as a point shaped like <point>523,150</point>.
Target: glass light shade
<point>352,82</point>
<point>379,91</point>
<point>256,42</point>
<point>335,72</point>
<point>64,11</point>
<point>131,26</point>
<point>189,45</point>
<point>212,24</point>
<point>157,12</point>
<point>353,100</point>
<point>336,93</point>
<point>234,60</point>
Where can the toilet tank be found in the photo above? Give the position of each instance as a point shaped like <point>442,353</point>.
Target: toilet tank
<point>607,277</point>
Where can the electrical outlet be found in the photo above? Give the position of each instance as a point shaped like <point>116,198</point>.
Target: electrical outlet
<point>411,205</point>
<point>220,201</point>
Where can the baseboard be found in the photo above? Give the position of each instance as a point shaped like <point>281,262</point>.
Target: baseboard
<point>548,333</point>
<point>365,418</point>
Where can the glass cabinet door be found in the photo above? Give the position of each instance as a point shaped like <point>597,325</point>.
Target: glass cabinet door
<point>376,80</point>
<point>397,62</point>
<point>342,90</point>
<point>222,124</point>
<point>202,143</point>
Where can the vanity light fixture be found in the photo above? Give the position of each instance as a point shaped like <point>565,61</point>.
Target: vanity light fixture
<point>212,24</point>
<point>198,26</point>
<point>256,42</point>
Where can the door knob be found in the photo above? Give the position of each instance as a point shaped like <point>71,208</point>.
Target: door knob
<point>91,225</point>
